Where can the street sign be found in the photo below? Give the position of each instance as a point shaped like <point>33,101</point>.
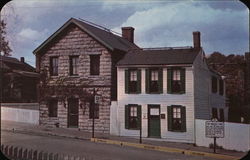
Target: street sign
<point>97,99</point>
<point>215,129</point>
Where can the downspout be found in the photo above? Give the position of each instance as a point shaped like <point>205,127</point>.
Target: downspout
<point>194,107</point>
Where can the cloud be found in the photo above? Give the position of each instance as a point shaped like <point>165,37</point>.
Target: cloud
<point>173,24</point>
<point>29,34</point>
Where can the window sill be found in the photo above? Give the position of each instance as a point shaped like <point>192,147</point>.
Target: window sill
<point>177,131</point>
<point>133,129</point>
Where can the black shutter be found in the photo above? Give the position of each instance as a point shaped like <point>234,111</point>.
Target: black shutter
<point>170,118</point>
<point>139,116</point>
<point>169,81</point>
<point>183,80</point>
<point>183,119</point>
<point>147,80</point>
<point>160,81</point>
<point>138,89</point>
<point>126,80</point>
<point>126,116</point>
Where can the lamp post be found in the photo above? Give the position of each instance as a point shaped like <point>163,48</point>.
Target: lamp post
<point>93,115</point>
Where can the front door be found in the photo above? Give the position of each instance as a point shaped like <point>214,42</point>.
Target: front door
<point>154,126</point>
<point>73,112</point>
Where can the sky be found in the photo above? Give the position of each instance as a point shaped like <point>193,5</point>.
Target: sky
<point>224,24</point>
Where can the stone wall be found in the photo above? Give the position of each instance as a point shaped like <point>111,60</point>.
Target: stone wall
<point>73,41</point>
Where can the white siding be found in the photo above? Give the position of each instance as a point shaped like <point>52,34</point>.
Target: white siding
<point>204,99</point>
<point>163,100</point>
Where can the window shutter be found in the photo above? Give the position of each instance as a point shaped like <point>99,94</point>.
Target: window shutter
<point>139,116</point>
<point>126,116</point>
<point>183,119</point>
<point>170,118</point>
<point>126,80</point>
<point>138,81</point>
<point>183,80</point>
<point>160,81</point>
<point>169,81</point>
<point>147,80</point>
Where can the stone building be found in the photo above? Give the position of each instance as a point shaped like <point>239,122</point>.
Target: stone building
<point>77,62</point>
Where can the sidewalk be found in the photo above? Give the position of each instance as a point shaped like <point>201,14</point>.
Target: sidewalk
<point>106,138</point>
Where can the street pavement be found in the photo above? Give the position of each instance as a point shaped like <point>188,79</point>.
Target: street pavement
<point>32,131</point>
<point>90,150</point>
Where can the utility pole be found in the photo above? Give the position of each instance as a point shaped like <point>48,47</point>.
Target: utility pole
<point>93,115</point>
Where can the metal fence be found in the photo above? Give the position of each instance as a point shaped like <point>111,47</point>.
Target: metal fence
<point>20,153</point>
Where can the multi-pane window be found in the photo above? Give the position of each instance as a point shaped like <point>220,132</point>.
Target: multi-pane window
<point>154,80</point>
<point>54,66</point>
<point>221,87</point>
<point>177,118</point>
<point>222,118</point>
<point>214,84</point>
<point>94,64</point>
<point>132,116</point>
<point>214,113</point>
<point>132,81</point>
<point>52,108</point>
<point>176,80</point>
<point>73,65</point>
<point>94,110</point>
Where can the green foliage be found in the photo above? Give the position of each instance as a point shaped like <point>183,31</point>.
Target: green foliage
<point>4,44</point>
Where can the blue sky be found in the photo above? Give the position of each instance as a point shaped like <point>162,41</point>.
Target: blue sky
<point>224,24</point>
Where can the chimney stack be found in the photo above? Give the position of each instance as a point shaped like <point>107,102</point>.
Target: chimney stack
<point>196,39</point>
<point>128,33</point>
<point>22,59</point>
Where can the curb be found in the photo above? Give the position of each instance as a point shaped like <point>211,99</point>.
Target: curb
<point>165,149</point>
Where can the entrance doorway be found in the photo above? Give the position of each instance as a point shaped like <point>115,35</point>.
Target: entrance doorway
<point>154,125</point>
<point>73,112</point>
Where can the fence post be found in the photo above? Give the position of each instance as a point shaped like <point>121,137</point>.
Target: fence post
<point>10,152</point>
<point>25,154</point>
<point>45,156</point>
<point>6,149</point>
<point>30,154</point>
<point>20,153</point>
<point>15,153</point>
<point>40,155</point>
<point>35,155</point>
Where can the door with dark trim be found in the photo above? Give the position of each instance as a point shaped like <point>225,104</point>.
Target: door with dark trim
<point>154,125</point>
<point>73,112</point>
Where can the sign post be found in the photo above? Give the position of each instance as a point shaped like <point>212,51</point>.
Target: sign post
<point>215,129</point>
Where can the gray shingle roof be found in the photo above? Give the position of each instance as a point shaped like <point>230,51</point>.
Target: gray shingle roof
<point>105,37</point>
<point>159,57</point>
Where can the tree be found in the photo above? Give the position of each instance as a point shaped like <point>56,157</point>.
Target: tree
<point>4,44</point>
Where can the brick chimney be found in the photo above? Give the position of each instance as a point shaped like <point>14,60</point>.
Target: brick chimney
<point>196,39</point>
<point>22,59</point>
<point>128,33</point>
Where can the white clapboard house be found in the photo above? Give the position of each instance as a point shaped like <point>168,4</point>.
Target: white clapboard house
<point>163,91</point>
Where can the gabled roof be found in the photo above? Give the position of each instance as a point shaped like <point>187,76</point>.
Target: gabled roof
<point>12,63</point>
<point>105,37</point>
<point>160,56</point>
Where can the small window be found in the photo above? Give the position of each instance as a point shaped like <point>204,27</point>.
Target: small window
<point>214,84</point>
<point>176,87</point>
<point>221,85</point>
<point>53,108</point>
<point>73,60</point>
<point>132,116</point>
<point>133,81</point>
<point>94,64</point>
<point>222,119</point>
<point>96,111</point>
<point>177,118</point>
<point>54,66</point>
<point>214,113</point>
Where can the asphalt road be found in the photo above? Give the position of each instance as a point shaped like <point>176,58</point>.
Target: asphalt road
<point>90,150</point>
